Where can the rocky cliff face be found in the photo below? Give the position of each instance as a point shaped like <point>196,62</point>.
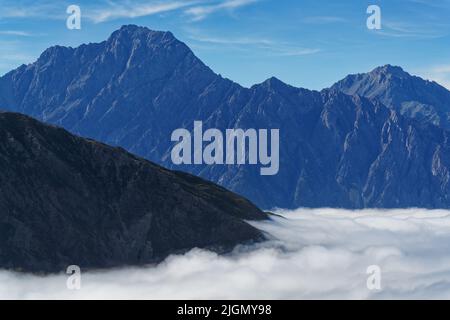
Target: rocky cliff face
<point>411,96</point>
<point>66,200</point>
<point>337,150</point>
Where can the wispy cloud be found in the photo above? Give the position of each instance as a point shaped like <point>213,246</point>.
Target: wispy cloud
<point>323,20</point>
<point>264,45</point>
<point>401,29</point>
<point>292,52</point>
<point>439,73</point>
<point>13,51</point>
<point>15,33</point>
<point>198,9</point>
<point>13,54</point>
<point>232,41</point>
<point>33,9</point>
<point>201,12</point>
<point>434,4</point>
<point>115,10</point>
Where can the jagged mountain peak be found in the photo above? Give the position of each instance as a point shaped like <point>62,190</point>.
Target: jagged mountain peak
<point>390,70</point>
<point>132,28</point>
<point>136,88</point>
<point>132,57</point>
<point>412,96</point>
<point>382,74</point>
<point>54,52</point>
<point>273,84</point>
<point>131,32</point>
<point>128,42</point>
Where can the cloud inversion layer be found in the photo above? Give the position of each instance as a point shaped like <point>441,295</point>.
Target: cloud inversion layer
<point>320,253</point>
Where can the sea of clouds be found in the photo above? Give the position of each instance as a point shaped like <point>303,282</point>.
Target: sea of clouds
<point>314,254</point>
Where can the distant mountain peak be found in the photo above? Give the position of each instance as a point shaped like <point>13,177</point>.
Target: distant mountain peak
<point>272,83</point>
<point>137,87</point>
<point>55,50</point>
<point>134,31</point>
<point>391,70</point>
<point>132,27</point>
<point>272,80</point>
<point>425,101</point>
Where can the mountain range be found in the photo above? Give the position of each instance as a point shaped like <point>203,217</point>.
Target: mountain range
<point>409,95</point>
<point>378,139</point>
<point>66,200</point>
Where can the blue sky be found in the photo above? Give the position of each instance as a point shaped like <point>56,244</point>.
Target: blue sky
<point>306,43</point>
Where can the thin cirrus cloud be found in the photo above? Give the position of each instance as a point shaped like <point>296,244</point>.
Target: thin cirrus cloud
<point>267,46</point>
<point>324,20</point>
<point>436,4</point>
<point>111,10</point>
<point>135,10</point>
<point>15,33</point>
<point>404,29</point>
<point>33,9</point>
<point>439,73</point>
<point>232,41</point>
<point>198,9</point>
<point>12,53</point>
<point>201,12</point>
<point>292,52</point>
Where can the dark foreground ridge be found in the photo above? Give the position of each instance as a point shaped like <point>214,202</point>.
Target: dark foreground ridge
<point>66,200</point>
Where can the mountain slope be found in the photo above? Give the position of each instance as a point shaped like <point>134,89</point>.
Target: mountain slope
<point>136,88</point>
<point>66,200</point>
<point>409,95</point>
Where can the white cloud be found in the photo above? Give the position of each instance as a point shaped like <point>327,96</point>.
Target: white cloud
<point>400,29</point>
<point>323,20</point>
<point>13,53</point>
<point>199,9</point>
<point>440,74</point>
<point>291,52</point>
<point>126,9</point>
<point>201,12</point>
<point>233,41</point>
<point>135,9</point>
<point>105,11</point>
<point>314,254</point>
<point>15,33</point>
<point>264,45</point>
<point>33,9</point>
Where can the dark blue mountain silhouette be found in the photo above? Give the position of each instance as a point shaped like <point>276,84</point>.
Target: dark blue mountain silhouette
<point>411,96</point>
<point>65,200</point>
<point>336,150</point>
